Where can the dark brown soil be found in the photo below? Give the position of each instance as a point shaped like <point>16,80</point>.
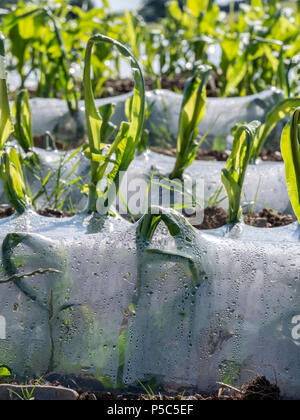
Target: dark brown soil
<point>39,141</point>
<point>271,156</point>
<point>269,219</point>
<point>212,155</point>
<point>258,389</point>
<point>57,214</point>
<point>6,211</point>
<point>113,87</point>
<point>219,156</point>
<point>216,217</point>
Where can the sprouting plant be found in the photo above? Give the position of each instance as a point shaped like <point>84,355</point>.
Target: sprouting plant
<point>277,114</point>
<point>23,125</point>
<point>121,153</point>
<point>64,180</point>
<point>290,148</point>
<point>15,183</point>
<point>17,192</point>
<point>149,391</point>
<point>6,126</point>
<point>26,394</point>
<point>193,110</point>
<point>233,176</point>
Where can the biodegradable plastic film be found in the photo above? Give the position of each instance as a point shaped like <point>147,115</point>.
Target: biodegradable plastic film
<point>222,113</point>
<point>183,312</point>
<point>265,184</point>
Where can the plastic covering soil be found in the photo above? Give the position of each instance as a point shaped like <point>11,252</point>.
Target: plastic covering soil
<point>184,311</point>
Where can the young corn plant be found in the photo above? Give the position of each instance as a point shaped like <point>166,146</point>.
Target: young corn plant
<point>17,192</point>
<point>23,125</point>
<point>233,176</point>
<point>290,147</point>
<point>277,114</point>
<point>6,125</point>
<point>61,59</point>
<point>193,110</point>
<point>16,186</point>
<point>122,151</point>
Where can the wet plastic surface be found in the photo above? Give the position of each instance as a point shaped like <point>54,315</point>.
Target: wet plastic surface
<point>265,183</point>
<point>120,310</point>
<point>63,167</point>
<point>222,113</point>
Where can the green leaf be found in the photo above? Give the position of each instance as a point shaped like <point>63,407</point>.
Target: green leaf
<point>6,125</point>
<point>236,73</point>
<point>5,371</point>
<point>193,110</point>
<point>23,125</point>
<point>187,248</point>
<point>14,184</point>
<point>278,113</point>
<point>233,176</point>
<point>129,136</point>
<point>197,6</point>
<point>290,148</point>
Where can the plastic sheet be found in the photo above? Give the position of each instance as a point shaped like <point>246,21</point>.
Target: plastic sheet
<point>265,184</point>
<point>120,310</point>
<point>70,169</point>
<point>221,115</point>
<point>240,319</point>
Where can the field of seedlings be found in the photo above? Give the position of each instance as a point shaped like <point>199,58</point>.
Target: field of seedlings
<point>150,200</point>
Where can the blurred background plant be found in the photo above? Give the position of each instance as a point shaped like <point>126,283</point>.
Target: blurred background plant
<point>251,45</point>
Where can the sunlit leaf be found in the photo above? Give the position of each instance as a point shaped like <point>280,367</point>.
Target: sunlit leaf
<point>290,148</point>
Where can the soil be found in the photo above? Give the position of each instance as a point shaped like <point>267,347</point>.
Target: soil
<point>57,214</point>
<point>220,156</point>
<point>269,219</point>
<point>113,87</point>
<point>6,211</point>
<point>258,389</point>
<point>271,156</point>
<point>39,141</point>
<point>216,217</point>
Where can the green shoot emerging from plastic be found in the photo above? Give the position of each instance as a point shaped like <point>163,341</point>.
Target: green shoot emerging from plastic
<point>290,148</point>
<point>233,176</point>
<point>278,113</point>
<point>14,184</point>
<point>193,110</point>
<point>6,125</point>
<point>23,126</point>
<point>121,153</point>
